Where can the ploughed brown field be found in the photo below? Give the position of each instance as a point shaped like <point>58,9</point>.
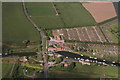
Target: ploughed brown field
<point>101,11</point>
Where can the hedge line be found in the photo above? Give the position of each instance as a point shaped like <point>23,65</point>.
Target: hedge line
<point>104,43</point>
<point>111,19</point>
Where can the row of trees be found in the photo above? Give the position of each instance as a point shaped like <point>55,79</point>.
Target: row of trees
<point>70,67</point>
<point>89,42</point>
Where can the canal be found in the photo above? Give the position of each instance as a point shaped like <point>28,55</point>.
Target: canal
<point>77,56</point>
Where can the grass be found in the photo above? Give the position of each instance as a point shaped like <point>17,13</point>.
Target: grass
<point>32,66</point>
<point>71,15</point>
<point>85,71</point>
<point>31,48</point>
<point>85,53</point>
<point>45,44</point>
<point>114,28</point>
<point>89,42</point>
<point>44,15</point>
<point>74,14</point>
<point>6,69</point>
<point>98,70</point>
<point>18,71</point>
<point>16,27</point>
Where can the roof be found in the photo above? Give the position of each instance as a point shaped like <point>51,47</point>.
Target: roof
<point>53,42</point>
<point>23,59</point>
<point>57,36</point>
<point>65,47</point>
<point>51,49</point>
<point>59,49</point>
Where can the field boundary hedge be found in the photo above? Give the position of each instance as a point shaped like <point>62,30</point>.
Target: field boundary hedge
<point>104,43</point>
<point>111,19</point>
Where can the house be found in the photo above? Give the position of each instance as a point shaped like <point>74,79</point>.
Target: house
<point>59,49</point>
<point>57,37</point>
<point>66,64</point>
<point>66,48</point>
<point>58,55</point>
<point>53,41</point>
<point>23,59</point>
<point>51,49</point>
<point>51,63</point>
<point>84,62</point>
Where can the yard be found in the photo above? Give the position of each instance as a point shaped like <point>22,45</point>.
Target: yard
<point>69,15</point>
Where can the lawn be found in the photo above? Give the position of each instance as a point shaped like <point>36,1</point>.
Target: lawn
<point>6,69</point>
<point>16,27</point>
<point>71,15</point>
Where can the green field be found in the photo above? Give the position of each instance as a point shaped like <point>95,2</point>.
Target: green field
<point>16,27</point>
<point>85,71</point>
<point>6,69</point>
<point>71,15</point>
<point>114,31</point>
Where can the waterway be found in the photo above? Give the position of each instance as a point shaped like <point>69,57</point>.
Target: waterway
<point>78,56</point>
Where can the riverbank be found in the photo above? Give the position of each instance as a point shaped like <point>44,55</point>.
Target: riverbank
<point>77,56</point>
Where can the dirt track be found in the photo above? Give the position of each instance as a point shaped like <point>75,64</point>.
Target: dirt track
<point>101,11</point>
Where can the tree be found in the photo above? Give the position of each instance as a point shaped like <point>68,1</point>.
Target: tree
<point>71,66</point>
<point>72,47</point>
<point>58,60</point>
<point>47,57</point>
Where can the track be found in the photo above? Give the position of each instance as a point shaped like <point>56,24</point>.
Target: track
<point>42,36</point>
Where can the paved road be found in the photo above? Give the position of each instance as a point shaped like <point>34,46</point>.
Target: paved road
<point>42,36</point>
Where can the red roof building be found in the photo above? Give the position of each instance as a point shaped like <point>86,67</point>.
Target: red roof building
<point>57,37</point>
<point>51,49</point>
<point>59,49</point>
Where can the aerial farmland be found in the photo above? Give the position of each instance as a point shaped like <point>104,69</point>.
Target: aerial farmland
<point>100,10</point>
<point>68,15</point>
<point>60,40</point>
<point>16,28</point>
